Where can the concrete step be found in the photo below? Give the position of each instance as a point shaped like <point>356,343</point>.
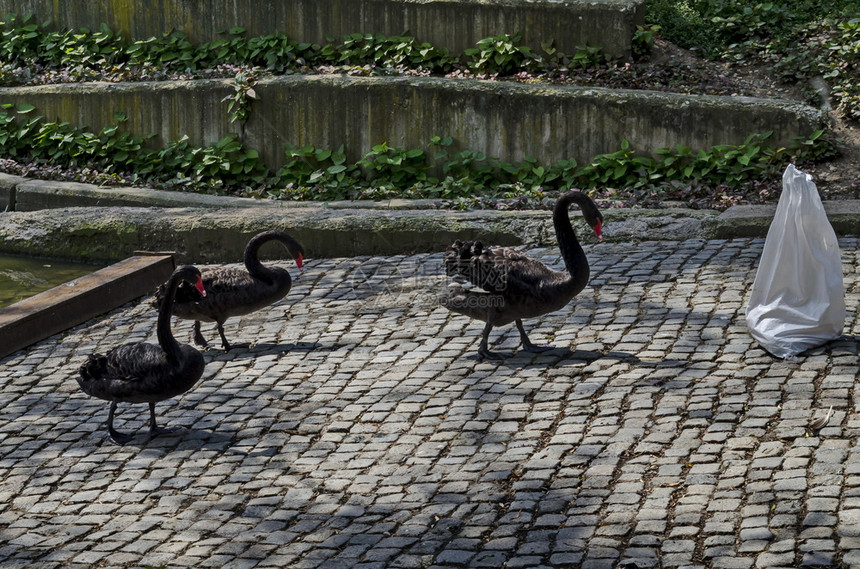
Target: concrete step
<point>453,24</point>
<point>505,120</point>
<point>88,223</point>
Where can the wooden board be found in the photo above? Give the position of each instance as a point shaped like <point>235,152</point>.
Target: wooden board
<point>67,305</point>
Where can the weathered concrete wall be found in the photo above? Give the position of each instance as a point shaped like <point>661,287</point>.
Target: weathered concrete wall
<point>754,220</point>
<point>8,185</point>
<point>452,24</point>
<point>508,121</point>
<point>219,235</point>
<point>34,195</point>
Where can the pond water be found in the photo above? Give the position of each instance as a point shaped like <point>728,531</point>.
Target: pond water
<point>22,277</point>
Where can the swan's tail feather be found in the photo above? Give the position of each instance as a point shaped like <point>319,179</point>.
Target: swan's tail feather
<point>158,296</point>
<point>95,367</point>
<point>456,297</point>
<point>480,266</point>
<point>459,255</point>
<point>185,293</point>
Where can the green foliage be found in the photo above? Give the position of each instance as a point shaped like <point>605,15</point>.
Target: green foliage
<point>468,173</point>
<point>842,68</point>
<point>684,23</point>
<point>218,168</point>
<point>239,104</point>
<point>499,55</point>
<point>503,56</point>
<point>277,52</point>
<point>740,21</point>
<point>32,54</point>
<point>228,167</point>
<point>27,44</point>
<point>799,40</point>
<point>60,143</point>
<point>225,163</point>
<point>643,40</point>
<point>727,28</point>
<point>172,51</point>
<point>311,173</point>
<point>21,40</point>
<point>84,48</point>
<point>386,52</point>
<point>395,167</point>
<point>587,57</point>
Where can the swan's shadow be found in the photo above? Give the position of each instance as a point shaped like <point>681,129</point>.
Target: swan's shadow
<point>551,357</point>
<point>522,358</point>
<point>201,439</point>
<point>181,439</point>
<point>245,350</point>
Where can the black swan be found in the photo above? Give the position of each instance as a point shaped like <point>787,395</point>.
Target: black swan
<point>515,286</point>
<point>145,373</point>
<point>234,292</point>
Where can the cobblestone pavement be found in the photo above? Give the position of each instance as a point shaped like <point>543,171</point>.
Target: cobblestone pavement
<point>361,431</point>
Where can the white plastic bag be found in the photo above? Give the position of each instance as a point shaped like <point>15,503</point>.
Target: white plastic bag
<point>798,299</point>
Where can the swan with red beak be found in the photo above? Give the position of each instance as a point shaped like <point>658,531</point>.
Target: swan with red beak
<point>515,286</point>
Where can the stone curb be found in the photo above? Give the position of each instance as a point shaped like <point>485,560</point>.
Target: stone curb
<point>89,223</point>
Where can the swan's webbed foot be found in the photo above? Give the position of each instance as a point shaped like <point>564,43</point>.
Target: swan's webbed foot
<point>224,343</point>
<point>485,354</point>
<point>116,436</point>
<point>527,344</point>
<point>154,429</point>
<point>198,336</point>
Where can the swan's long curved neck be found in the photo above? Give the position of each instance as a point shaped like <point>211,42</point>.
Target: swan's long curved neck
<point>252,260</point>
<point>252,255</point>
<point>165,334</point>
<point>571,251</point>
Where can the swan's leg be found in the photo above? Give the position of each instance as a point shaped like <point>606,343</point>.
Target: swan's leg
<point>224,343</point>
<point>198,336</point>
<point>527,344</point>
<point>483,348</point>
<point>154,429</point>
<point>116,436</point>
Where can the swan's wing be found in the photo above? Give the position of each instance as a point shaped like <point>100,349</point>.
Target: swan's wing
<point>129,362</point>
<point>234,292</point>
<point>221,280</point>
<point>225,279</point>
<point>495,269</point>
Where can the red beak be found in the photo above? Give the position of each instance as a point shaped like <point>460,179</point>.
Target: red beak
<point>299,261</point>
<point>598,230</point>
<point>199,286</point>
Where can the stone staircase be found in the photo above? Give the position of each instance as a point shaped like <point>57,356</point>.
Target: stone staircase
<point>505,120</point>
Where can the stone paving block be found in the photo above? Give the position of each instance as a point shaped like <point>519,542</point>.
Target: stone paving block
<point>363,432</point>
